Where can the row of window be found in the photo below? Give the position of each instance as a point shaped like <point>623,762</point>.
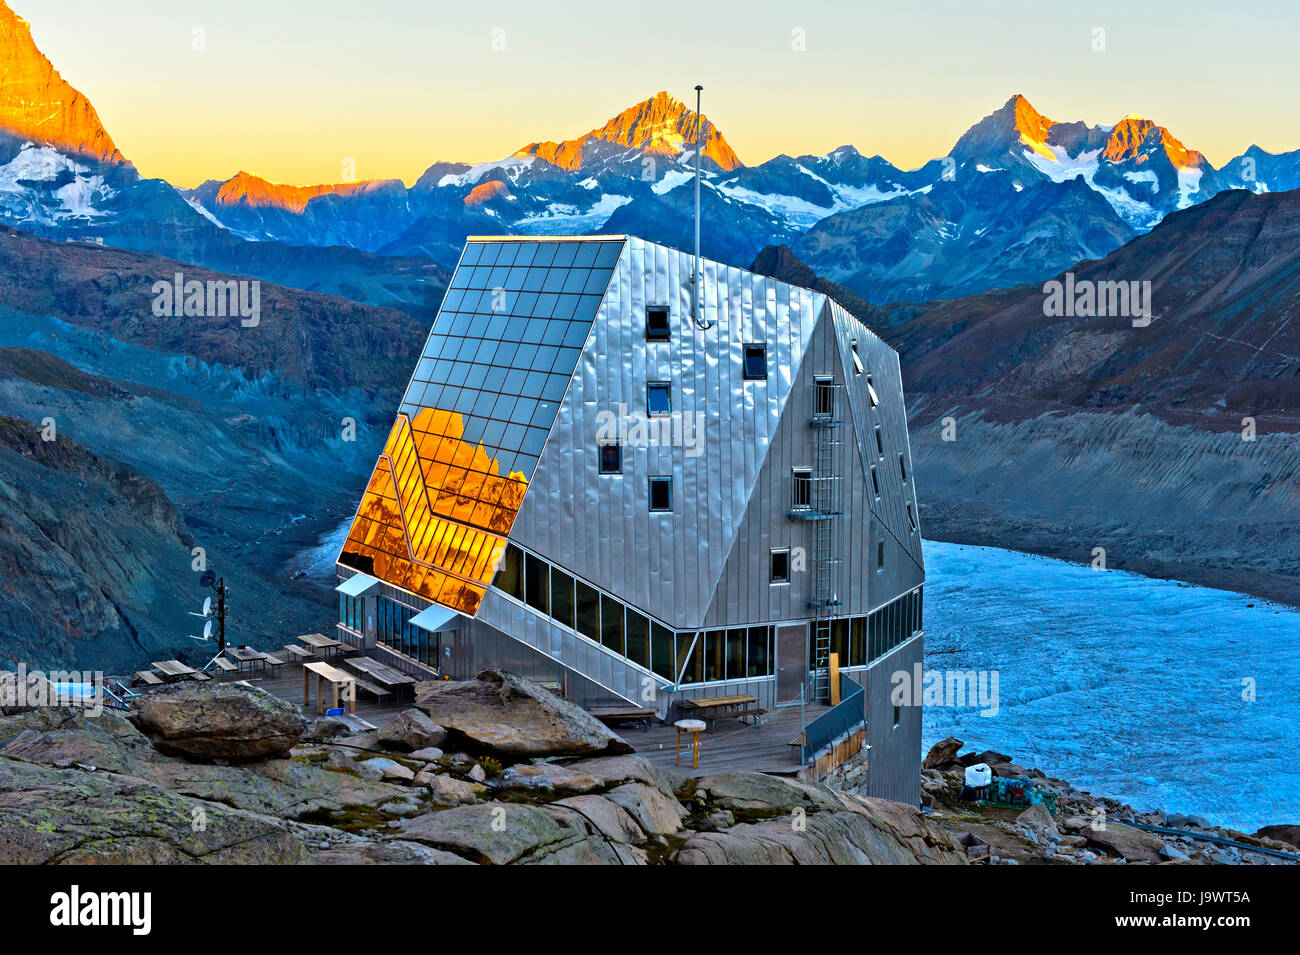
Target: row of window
<point>658,328</point>
<point>688,657</point>
<point>860,640</point>
<point>395,630</point>
<point>627,632</point>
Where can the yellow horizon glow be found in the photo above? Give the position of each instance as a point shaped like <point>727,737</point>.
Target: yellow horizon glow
<point>399,85</point>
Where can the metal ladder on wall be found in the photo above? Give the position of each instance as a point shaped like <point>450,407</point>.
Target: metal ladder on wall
<point>825,602</point>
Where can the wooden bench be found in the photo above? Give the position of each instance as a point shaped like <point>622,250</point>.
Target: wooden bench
<point>149,678</point>
<point>297,653</point>
<point>198,676</point>
<point>611,715</point>
<point>273,662</point>
<point>376,691</point>
<point>224,665</point>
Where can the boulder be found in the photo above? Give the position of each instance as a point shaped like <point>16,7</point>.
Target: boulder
<point>513,719</point>
<point>653,810</point>
<point>1287,833</point>
<point>228,722</point>
<point>548,777</point>
<point>1038,819</point>
<point>609,818</point>
<point>503,833</point>
<point>1135,845</point>
<point>381,767</point>
<point>327,727</point>
<point>450,791</point>
<point>942,753</point>
<point>411,730</point>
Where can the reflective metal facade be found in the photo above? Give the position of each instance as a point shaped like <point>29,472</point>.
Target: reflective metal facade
<point>539,345</point>
<point>476,415</point>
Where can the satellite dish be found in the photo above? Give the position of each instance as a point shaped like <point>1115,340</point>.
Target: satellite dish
<point>207,630</point>
<point>208,579</point>
<point>207,606</point>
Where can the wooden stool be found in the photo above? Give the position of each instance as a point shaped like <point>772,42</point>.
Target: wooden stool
<point>694,727</point>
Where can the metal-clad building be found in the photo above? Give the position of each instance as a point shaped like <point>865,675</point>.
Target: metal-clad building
<point>587,486</point>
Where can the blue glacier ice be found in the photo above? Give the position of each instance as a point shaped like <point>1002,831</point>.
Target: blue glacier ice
<point>1127,686</point>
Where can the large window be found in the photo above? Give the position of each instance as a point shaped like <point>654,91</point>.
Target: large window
<point>510,575</point>
<point>611,624</point>
<point>562,597</point>
<point>537,584</point>
<point>588,611</point>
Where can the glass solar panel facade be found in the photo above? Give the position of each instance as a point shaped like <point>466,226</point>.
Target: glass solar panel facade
<point>476,415</point>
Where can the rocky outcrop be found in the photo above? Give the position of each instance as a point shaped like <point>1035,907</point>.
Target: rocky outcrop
<point>412,730</point>
<point>1085,829</point>
<point>513,718</point>
<point>230,722</point>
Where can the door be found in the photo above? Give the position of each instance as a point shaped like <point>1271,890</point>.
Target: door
<point>791,662</point>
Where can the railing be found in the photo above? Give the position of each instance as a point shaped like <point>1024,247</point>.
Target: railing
<point>837,722</point>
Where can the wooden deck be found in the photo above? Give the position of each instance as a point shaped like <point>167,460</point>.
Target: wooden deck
<point>287,685</point>
<point>730,746</point>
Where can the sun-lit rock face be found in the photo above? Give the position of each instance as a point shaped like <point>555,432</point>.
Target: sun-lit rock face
<point>37,104</point>
<point>486,191</point>
<point>249,190</point>
<point>660,126</point>
<point>1132,135</point>
<point>1032,125</point>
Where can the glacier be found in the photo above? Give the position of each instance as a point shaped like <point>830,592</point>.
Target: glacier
<point>1126,686</point>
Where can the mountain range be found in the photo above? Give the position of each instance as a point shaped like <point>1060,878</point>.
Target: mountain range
<point>1018,197</point>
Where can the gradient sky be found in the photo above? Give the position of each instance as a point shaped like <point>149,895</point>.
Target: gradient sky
<point>287,89</point>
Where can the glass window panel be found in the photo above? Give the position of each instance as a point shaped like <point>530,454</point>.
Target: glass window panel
<point>575,281</point>
<point>714,655</point>
<point>690,654</point>
<point>588,600</point>
<point>575,334</point>
<point>736,654</point>
<point>759,659</point>
<point>555,280</point>
<point>585,256</point>
<point>638,638</point>
<point>858,642</point>
<point>611,623</point>
<point>565,252</point>
<point>562,597</point>
<point>545,254</point>
<point>662,655</point>
<point>840,641</point>
<point>555,387</point>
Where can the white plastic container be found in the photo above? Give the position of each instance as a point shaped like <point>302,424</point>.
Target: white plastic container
<point>978,775</point>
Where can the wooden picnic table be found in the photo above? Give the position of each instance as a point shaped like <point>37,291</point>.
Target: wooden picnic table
<point>172,668</point>
<point>326,673</point>
<point>318,641</point>
<point>246,656</point>
<point>738,705</point>
<point>382,672</point>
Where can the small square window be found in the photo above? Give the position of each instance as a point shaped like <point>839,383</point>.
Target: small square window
<point>898,715</point>
<point>911,518</point>
<point>661,494</point>
<point>659,400</point>
<point>880,442</point>
<point>902,467</point>
<point>780,565</point>
<point>880,557</point>
<point>611,459</point>
<point>857,361</point>
<point>801,489</point>
<point>871,393</point>
<point>875,481</point>
<point>656,323</point>
<point>755,362</point>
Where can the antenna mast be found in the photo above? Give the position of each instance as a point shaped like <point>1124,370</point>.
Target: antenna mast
<point>696,277</point>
